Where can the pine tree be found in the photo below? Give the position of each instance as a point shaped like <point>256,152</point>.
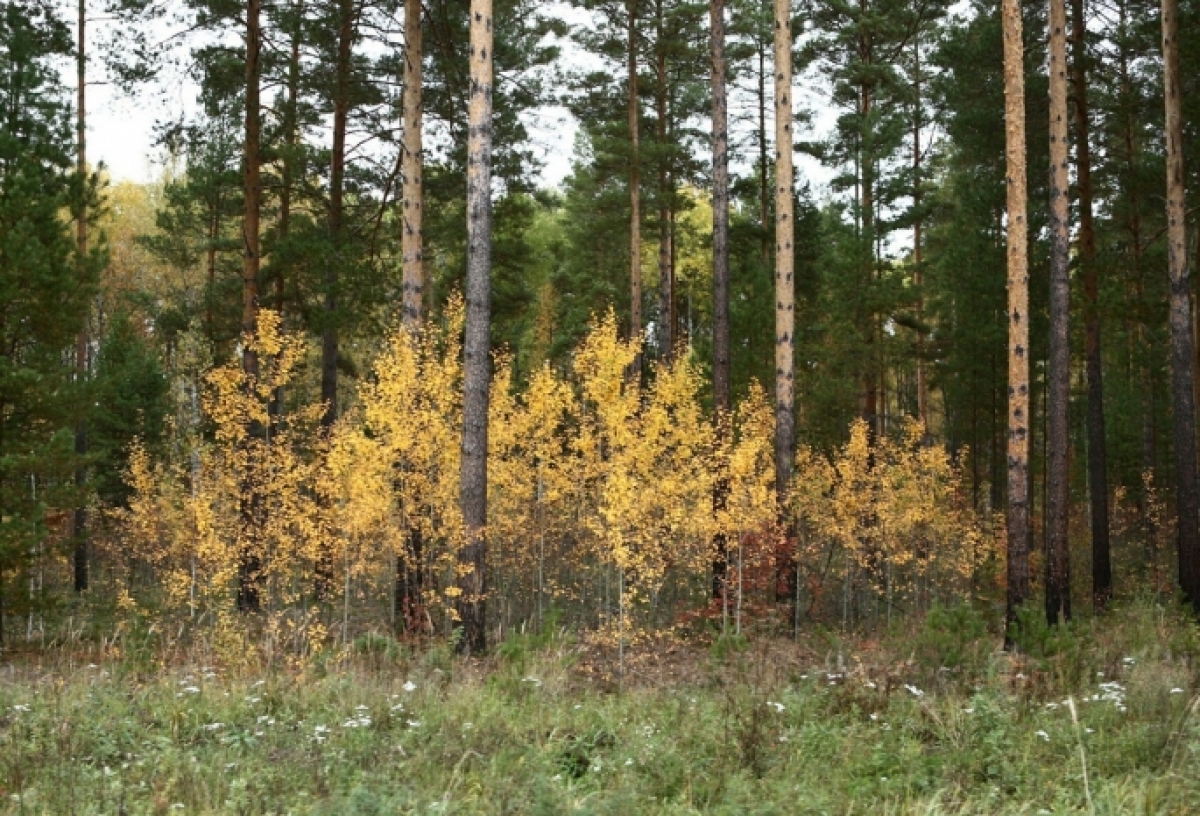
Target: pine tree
<point>1181,328</point>
<point>45,286</point>
<point>1018,315</point>
<point>472,580</point>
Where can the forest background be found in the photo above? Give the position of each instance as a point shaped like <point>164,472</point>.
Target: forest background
<point>237,398</point>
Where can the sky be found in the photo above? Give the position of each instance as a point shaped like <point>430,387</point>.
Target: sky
<point>121,129</point>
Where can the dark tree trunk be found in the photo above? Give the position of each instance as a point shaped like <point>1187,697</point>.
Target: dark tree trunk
<point>472,583</point>
<point>721,374</point>
<point>1180,317</point>
<point>250,564</point>
<point>635,193</point>
<point>1058,511</point>
<point>1097,444</point>
<point>79,524</point>
<point>666,278</point>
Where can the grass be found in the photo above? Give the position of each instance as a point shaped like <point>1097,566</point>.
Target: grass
<point>927,720</point>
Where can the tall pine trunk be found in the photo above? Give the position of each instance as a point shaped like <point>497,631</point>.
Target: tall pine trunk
<point>409,567</point>
<point>721,374</point>
<point>635,193</point>
<point>785,288</point>
<point>1097,462</point>
<point>337,214</point>
<point>412,167</point>
<point>666,271</point>
<point>1180,317</point>
<point>918,248</point>
<point>79,523</point>
<point>472,583</point>
<point>1058,574</point>
<point>249,557</point>
<point>1018,315</point>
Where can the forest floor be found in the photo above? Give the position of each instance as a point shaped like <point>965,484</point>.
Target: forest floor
<point>1101,717</point>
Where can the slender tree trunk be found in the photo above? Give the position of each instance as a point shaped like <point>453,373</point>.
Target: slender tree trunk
<point>412,247</point>
<point>1181,329</point>
<point>785,288</point>
<point>250,559</point>
<point>80,532</point>
<point>764,184</point>
<point>1058,562</point>
<point>635,193</point>
<point>918,249</point>
<point>337,176</point>
<point>666,280</point>
<point>337,213</point>
<point>721,374</point>
<point>1018,316</point>
<point>1097,444</point>
<point>410,564</point>
<point>472,583</point>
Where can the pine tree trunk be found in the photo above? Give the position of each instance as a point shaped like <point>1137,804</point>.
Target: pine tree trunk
<point>79,523</point>
<point>721,374</point>
<point>785,287</point>
<point>1180,316</point>
<point>412,247</point>
<point>1058,575</point>
<point>1018,316</point>
<point>1097,438</point>
<point>635,193</point>
<point>472,583</point>
<point>337,176</point>
<point>666,280</point>
<point>764,184</point>
<point>409,583</point>
<point>918,248</point>
<point>250,559</point>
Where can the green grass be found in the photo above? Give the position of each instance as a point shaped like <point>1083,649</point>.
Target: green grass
<point>934,720</point>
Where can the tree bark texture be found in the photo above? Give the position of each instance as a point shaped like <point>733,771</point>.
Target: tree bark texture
<point>412,196</point>
<point>1097,438</point>
<point>635,194</point>
<point>79,523</point>
<point>337,213</point>
<point>1180,316</point>
<point>721,374</point>
<point>250,559</point>
<point>1017,515</point>
<point>785,287</point>
<point>1058,563</point>
<point>472,584</point>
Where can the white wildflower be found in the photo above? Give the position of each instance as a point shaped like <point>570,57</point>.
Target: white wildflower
<point>409,685</point>
<point>779,707</point>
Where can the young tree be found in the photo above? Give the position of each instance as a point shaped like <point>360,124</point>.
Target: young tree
<point>1018,314</point>
<point>1180,316</point>
<point>1058,561</point>
<point>472,583</point>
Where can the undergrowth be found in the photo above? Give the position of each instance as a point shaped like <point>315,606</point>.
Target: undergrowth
<point>931,719</point>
